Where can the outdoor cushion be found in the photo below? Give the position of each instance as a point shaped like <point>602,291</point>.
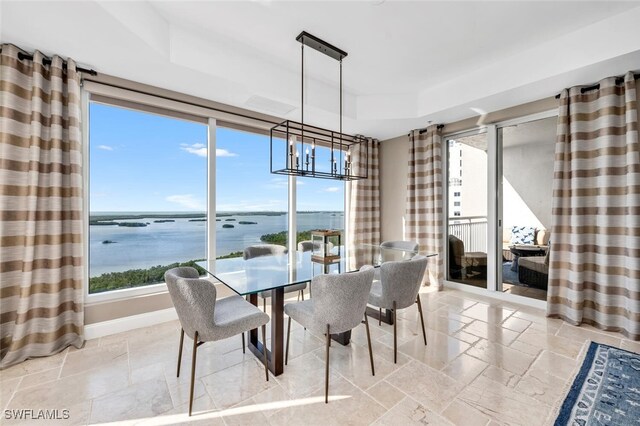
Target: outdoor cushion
<point>522,234</point>
<point>535,263</point>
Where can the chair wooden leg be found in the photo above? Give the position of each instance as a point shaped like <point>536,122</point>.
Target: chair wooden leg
<point>302,294</point>
<point>286,351</point>
<point>193,370</point>
<point>326,368</point>
<point>180,351</point>
<point>366,324</point>
<point>395,334</point>
<point>379,316</point>
<point>424,333</point>
<point>243,345</point>
<point>264,349</point>
<point>264,305</point>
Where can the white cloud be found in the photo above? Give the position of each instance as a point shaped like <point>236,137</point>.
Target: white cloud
<point>331,189</point>
<point>201,150</point>
<point>188,201</point>
<point>105,147</point>
<point>224,153</point>
<point>197,149</point>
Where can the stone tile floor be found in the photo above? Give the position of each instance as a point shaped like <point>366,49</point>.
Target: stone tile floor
<point>488,362</point>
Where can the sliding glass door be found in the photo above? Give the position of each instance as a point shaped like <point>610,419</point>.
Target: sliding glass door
<point>498,209</point>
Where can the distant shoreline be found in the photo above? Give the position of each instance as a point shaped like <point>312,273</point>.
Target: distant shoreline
<point>101,217</point>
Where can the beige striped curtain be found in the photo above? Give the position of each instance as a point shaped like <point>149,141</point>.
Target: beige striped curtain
<point>364,203</point>
<point>424,214</point>
<point>594,273</point>
<point>41,268</point>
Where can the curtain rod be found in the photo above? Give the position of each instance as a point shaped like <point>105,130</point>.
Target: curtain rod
<point>47,61</point>
<point>142,92</point>
<point>421,131</point>
<point>597,85</point>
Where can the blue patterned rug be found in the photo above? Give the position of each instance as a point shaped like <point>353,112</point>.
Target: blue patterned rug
<point>606,391</point>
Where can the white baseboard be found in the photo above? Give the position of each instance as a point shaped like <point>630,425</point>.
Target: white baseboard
<point>513,298</point>
<point>119,325</point>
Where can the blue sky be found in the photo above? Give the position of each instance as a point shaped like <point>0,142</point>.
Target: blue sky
<point>146,162</point>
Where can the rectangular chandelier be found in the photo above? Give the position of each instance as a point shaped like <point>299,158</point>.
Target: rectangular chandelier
<point>304,150</point>
<point>299,149</point>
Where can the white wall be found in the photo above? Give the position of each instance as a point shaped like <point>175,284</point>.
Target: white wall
<point>527,160</point>
<point>394,165</point>
<point>474,181</point>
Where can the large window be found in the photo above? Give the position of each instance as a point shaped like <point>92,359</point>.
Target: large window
<point>147,196</point>
<point>251,203</point>
<point>149,171</point>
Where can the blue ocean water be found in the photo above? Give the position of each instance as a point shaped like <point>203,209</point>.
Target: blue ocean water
<point>182,240</point>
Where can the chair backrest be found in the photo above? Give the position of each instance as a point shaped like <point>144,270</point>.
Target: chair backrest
<point>263,250</point>
<point>340,300</point>
<point>396,253</point>
<point>307,245</point>
<point>456,251</point>
<point>401,245</point>
<point>401,281</point>
<point>194,300</point>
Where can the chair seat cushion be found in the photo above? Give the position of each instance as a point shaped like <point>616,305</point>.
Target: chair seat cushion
<point>535,263</point>
<point>302,313</point>
<point>234,315</point>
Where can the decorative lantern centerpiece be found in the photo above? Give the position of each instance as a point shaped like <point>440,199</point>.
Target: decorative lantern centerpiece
<point>326,246</point>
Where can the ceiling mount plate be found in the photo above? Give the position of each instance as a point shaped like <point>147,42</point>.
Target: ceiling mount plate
<point>321,46</point>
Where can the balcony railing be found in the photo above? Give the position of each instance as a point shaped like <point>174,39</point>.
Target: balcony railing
<point>472,230</point>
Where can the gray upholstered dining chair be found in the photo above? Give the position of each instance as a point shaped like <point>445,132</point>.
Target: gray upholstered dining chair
<point>410,249</point>
<point>398,289</point>
<point>308,245</point>
<point>339,302</point>
<point>401,250</point>
<point>205,319</point>
<point>401,245</point>
<point>261,250</point>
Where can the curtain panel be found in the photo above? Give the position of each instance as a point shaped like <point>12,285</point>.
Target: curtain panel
<point>41,268</point>
<point>424,213</point>
<point>594,272</point>
<point>364,204</point>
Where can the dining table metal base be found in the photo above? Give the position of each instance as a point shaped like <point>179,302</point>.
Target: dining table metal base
<point>342,338</point>
<point>275,356</point>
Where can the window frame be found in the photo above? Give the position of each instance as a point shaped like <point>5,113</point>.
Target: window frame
<point>141,101</point>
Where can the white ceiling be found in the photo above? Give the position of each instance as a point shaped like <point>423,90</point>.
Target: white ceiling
<point>408,63</point>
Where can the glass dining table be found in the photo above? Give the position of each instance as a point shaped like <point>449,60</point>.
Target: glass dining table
<point>274,273</point>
